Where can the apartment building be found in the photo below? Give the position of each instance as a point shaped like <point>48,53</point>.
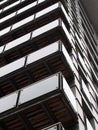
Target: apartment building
<point>48,66</point>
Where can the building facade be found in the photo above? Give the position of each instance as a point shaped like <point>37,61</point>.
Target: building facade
<point>48,66</point>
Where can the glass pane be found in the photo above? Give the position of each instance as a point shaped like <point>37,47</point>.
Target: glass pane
<point>89,127</point>
<point>66,32</point>
<point>38,89</point>
<point>0,12</point>
<point>3,1</point>
<point>53,128</point>
<point>1,49</point>
<point>17,42</point>
<point>11,5</point>
<point>40,1</point>
<point>42,52</point>
<point>47,10</point>
<point>85,89</point>
<point>82,62</point>
<point>4,31</point>
<point>67,57</point>
<point>65,13</point>
<point>24,21</point>
<point>57,126</point>
<point>80,42</point>
<point>12,67</point>
<point>7,17</point>
<point>27,7</point>
<point>69,94</point>
<point>8,102</point>
<point>45,28</point>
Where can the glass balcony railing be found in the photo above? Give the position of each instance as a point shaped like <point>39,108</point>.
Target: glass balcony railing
<point>8,102</point>
<point>85,90</point>
<point>57,126</point>
<point>4,31</point>
<point>17,42</point>
<point>88,124</point>
<point>1,49</point>
<point>7,17</point>
<point>27,7</point>
<point>46,86</point>
<point>47,10</point>
<point>68,59</point>
<point>82,62</point>
<point>12,67</point>
<point>69,94</point>
<point>2,2</point>
<point>42,53</point>
<point>45,28</point>
<point>11,5</point>
<point>22,22</point>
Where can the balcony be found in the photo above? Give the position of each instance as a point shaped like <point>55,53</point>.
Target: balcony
<point>50,99</point>
<point>37,65</point>
<point>23,45</point>
<point>33,8</point>
<point>52,10</point>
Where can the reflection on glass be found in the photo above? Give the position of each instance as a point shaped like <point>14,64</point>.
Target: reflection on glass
<point>42,52</point>
<point>85,89</point>
<point>27,7</point>
<point>8,102</point>
<point>89,127</point>
<point>47,10</point>
<point>22,22</point>
<point>45,28</point>
<point>7,17</point>
<point>12,67</point>
<point>4,31</point>
<point>17,42</point>
<point>69,94</point>
<point>38,89</point>
<point>11,5</point>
